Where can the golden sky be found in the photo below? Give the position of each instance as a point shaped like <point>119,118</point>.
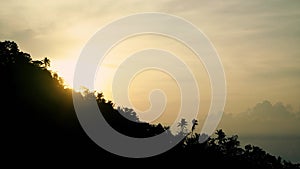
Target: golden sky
<point>257,41</point>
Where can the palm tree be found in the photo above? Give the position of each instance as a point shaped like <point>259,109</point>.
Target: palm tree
<point>182,124</point>
<point>46,62</point>
<point>195,123</point>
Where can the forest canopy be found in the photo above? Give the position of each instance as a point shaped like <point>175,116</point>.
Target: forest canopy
<point>39,120</point>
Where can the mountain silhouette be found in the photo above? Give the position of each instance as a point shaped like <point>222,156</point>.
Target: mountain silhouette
<point>39,124</point>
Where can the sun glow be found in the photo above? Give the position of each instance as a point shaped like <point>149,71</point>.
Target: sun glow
<point>146,81</point>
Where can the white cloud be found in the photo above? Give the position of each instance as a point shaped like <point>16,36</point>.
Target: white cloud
<point>265,119</point>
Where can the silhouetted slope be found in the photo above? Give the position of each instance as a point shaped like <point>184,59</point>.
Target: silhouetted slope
<point>38,123</point>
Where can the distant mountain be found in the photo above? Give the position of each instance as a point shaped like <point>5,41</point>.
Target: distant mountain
<point>39,124</point>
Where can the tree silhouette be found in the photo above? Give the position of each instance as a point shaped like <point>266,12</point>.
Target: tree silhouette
<point>37,63</point>
<point>183,126</point>
<point>195,123</point>
<point>128,113</point>
<point>46,62</point>
<point>39,124</point>
<point>10,54</point>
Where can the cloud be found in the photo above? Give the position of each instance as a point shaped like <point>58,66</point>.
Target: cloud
<point>257,40</point>
<point>274,127</point>
<point>265,119</point>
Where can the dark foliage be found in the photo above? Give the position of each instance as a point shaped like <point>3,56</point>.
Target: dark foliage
<point>39,124</point>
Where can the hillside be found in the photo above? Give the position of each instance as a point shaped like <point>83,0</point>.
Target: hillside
<point>39,123</point>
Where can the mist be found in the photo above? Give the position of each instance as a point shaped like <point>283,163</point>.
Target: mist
<point>275,127</point>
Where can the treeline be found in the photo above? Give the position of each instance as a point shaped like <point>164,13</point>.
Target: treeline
<point>39,124</point>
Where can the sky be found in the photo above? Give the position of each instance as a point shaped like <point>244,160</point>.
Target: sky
<point>257,42</point>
